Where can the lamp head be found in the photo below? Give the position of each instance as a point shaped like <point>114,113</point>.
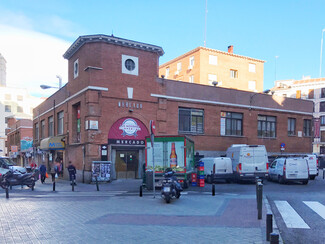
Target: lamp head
<point>215,83</point>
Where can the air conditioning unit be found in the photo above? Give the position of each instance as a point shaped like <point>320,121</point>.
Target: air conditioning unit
<point>177,72</point>
<point>190,67</point>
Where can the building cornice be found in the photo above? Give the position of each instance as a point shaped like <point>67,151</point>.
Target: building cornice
<point>95,88</point>
<point>110,40</point>
<point>228,104</point>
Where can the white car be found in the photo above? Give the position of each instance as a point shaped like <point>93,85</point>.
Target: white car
<point>223,169</point>
<point>6,163</point>
<point>289,169</point>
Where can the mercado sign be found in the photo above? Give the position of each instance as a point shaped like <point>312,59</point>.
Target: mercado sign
<point>128,131</point>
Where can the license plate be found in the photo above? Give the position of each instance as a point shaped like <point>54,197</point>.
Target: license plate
<point>166,189</point>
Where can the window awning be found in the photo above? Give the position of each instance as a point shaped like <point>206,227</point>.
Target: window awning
<point>52,143</point>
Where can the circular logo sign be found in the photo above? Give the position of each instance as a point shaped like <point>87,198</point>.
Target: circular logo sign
<point>129,128</point>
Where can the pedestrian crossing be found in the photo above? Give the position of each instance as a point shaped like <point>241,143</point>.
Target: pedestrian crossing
<point>293,219</point>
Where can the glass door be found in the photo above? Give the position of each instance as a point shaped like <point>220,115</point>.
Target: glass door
<point>126,164</point>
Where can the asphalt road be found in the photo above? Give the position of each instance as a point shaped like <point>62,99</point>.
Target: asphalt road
<point>299,210</point>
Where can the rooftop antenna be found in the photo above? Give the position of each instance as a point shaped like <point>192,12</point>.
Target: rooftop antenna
<point>205,26</point>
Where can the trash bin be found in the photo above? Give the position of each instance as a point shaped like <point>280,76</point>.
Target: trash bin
<point>149,179</point>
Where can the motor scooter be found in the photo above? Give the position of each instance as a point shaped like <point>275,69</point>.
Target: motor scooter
<point>171,188</point>
<point>15,178</point>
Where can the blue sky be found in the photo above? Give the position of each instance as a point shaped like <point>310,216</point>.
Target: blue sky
<point>260,29</point>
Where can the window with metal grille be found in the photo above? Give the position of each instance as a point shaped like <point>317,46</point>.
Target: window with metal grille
<point>234,124</point>
<point>291,126</point>
<point>266,126</point>
<point>190,120</point>
<point>51,126</point>
<point>307,127</point>
<point>60,122</point>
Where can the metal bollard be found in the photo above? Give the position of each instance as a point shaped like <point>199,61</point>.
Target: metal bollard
<point>269,226</point>
<point>140,193</point>
<point>54,186</point>
<point>257,181</point>
<point>260,197</point>
<point>7,193</point>
<point>274,238</point>
<point>213,190</point>
<point>97,183</point>
<point>72,184</point>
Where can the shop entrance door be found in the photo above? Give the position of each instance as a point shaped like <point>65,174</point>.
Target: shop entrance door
<point>126,164</point>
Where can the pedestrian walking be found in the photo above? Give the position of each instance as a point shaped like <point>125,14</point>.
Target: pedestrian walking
<point>53,171</point>
<point>42,170</point>
<point>72,173</point>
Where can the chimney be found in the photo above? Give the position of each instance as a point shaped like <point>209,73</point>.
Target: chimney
<point>231,49</point>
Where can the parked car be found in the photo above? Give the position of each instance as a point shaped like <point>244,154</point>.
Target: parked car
<point>248,161</point>
<point>7,163</point>
<point>286,169</point>
<point>223,169</point>
<point>313,165</point>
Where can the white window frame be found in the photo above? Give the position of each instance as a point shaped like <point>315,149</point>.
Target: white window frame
<point>76,69</point>
<point>233,74</point>
<point>135,71</point>
<point>167,72</point>
<point>191,79</point>
<point>212,78</point>
<point>191,62</point>
<point>213,59</point>
<point>252,85</point>
<point>252,68</point>
<point>179,66</point>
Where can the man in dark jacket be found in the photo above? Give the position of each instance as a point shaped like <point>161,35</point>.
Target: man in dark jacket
<point>42,170</point>
<point>72,173</point>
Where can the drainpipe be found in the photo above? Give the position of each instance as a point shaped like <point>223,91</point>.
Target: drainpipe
<point>83,164</point>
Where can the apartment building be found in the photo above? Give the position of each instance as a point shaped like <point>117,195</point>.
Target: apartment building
<point>216,68</point>
<point>313,90</point>
<point>20,140</point>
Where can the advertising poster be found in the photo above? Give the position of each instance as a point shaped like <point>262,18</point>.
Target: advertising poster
<point>101,170</point>
<point>168,154</point>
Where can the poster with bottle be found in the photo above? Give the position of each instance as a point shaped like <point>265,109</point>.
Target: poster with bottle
<point>165,156</point>
<point>176,155</point>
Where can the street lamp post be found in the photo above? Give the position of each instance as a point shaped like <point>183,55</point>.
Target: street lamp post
<point>252,96</point>
<point>321,54</point>
<point>55,87</point>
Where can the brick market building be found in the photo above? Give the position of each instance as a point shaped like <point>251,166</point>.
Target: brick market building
<point>113,92</point>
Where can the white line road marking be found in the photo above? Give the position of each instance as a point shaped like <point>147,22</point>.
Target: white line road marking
<point>316,207</point>
<point>290,217</point>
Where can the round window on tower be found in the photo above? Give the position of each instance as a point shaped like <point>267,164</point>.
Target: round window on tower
<point>129,64</point>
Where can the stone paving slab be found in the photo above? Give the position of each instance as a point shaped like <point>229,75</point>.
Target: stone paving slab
<point>116,214</point>
<point>116,219</point>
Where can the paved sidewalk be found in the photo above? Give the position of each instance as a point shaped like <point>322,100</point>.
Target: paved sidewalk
<point>116,214</point>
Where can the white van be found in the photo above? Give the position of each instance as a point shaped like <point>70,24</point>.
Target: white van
<point>313,165</point>
<point>289,169</point>
<point>248,161</point>
<point>223,169</point>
